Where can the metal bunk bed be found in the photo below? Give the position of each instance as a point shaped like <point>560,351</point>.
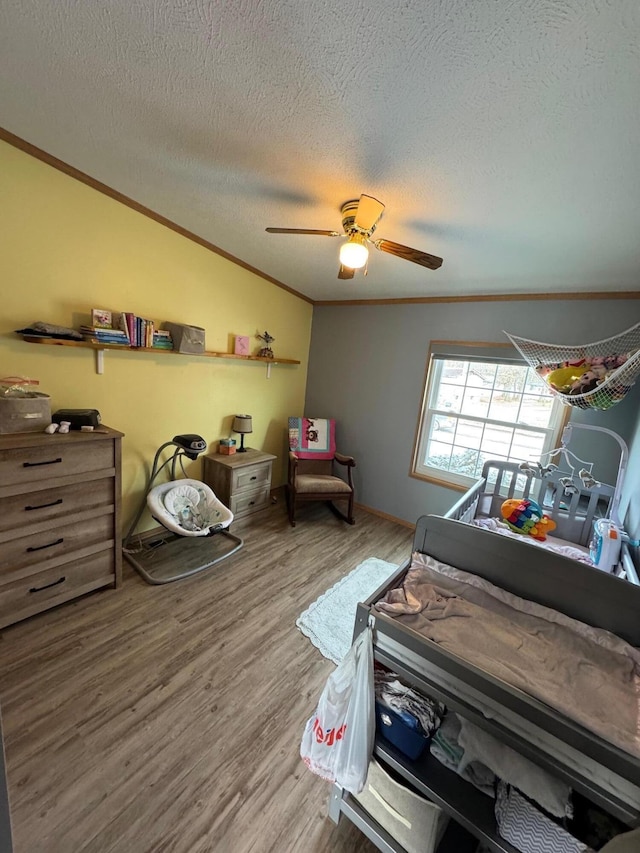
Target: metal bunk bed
<point>607,775</point>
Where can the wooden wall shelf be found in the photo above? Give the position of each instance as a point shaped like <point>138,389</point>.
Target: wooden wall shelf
<point>99,349</point>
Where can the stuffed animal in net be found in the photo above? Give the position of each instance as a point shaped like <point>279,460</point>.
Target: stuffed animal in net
<point>525,516</point>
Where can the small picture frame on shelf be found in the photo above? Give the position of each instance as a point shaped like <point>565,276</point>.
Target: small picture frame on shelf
<point>241,345</point>
<point>101,318</point>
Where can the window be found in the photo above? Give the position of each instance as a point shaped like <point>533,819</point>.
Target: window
<point>479,408</point>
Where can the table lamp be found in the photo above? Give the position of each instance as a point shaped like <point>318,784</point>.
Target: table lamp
<point>242,425</point>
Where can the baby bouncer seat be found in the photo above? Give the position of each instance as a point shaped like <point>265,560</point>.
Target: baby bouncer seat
<point>191,516</point>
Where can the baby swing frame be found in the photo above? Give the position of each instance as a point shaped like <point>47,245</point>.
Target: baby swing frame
<point>161,555</point>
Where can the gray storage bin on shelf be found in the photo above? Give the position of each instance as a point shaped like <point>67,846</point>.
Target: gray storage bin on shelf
<point>188,339</point>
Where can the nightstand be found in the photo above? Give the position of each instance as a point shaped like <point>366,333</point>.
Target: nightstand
<point>241,481</point>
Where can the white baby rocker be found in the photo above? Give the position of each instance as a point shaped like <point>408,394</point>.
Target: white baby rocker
<point>190,513</point>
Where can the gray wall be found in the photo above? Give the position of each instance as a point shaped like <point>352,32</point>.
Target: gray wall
<point>631,493</point>
<point>367,367</point>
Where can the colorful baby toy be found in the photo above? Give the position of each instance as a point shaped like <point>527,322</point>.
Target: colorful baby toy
<point>525,516</point>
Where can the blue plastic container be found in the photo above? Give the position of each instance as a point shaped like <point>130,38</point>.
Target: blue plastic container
<point>403,731</point>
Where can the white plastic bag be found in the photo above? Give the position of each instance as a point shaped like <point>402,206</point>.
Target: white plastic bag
<point>338,739</point>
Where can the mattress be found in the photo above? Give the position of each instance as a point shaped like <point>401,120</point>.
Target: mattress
<point>551,543</point>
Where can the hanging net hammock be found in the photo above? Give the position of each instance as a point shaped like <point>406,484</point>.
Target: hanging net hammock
<point>591,376</point>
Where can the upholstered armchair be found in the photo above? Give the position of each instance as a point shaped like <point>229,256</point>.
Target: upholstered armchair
<point>313,466</point>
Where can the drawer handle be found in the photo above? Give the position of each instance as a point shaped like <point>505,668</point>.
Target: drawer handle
<point>35,464</point>
<point>48,585</point>
<point>255,477</point>
<point>251,503</point>
<point>42,506</point>
<point>50,545</point>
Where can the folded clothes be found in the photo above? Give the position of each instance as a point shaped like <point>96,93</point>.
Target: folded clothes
<point>446,740</point>
<point>445,747</point>
<point>405,700</point>
<point>552,794</point>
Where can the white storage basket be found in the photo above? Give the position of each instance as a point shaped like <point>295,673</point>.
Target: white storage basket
<point>416,824</point>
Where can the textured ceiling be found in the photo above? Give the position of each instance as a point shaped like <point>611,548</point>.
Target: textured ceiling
<point>501,134</point>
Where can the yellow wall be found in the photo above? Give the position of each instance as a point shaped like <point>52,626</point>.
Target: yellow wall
<point>66,248</point>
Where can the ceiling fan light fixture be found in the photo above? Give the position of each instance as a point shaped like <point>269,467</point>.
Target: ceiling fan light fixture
<point>354,253</point>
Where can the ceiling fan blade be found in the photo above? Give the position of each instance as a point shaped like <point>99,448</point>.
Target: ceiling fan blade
<point>368,213</point>
<point>400,251</point>
<point>345,272</point>
<point>302,231</point>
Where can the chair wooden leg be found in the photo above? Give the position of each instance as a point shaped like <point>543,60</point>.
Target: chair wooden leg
<point>291,506</point>
<point>348,517</point>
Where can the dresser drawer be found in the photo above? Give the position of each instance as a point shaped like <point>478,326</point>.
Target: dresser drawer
<point>246,502</point>
<point>251,477</point>
<point>45,589</point>
<point>54,544</point>
<point>33,464</point>
<point>53,506</point>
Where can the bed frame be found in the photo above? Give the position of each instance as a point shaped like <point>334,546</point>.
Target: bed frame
<point>573,514</point>
<point>596,768</point>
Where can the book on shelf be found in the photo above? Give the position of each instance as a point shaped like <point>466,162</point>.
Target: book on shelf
<point>102,317</point>
<point>101,330</point>
<point>120,322</point>
<point>100,334</point>
<point>138,329</point>
<point>127,329</point>
<point>101,342</point>
<point>161,339</point>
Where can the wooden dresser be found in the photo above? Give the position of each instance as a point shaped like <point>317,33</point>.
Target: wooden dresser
<point>59,518</point>
<point>241,481</point>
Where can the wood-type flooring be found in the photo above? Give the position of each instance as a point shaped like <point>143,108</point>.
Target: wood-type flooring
<point>167,718</point>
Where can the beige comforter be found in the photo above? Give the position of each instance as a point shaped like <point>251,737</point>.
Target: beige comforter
<point>588,674</point>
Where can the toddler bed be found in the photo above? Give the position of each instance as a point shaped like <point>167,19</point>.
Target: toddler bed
<point>579,724</point>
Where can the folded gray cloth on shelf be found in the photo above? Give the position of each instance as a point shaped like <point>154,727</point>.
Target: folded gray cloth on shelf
<point>552,794</point>
<point>399,697</point>
<point>445,747</point>
<point>445,740</point>
<point>49,330</point>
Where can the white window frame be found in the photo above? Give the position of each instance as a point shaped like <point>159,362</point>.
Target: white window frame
<point>428,411</point>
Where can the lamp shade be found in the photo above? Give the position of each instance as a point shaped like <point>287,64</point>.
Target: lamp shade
<point>242,424</point>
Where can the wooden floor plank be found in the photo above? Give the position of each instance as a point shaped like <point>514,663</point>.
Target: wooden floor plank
<point>169,718</point>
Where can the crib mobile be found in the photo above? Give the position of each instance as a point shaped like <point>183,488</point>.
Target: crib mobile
<point>591,376</point>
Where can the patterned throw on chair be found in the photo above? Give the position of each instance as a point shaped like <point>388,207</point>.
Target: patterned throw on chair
<point>312,438</point>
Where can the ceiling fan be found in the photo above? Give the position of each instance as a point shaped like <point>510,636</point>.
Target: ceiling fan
<point>359,220</point>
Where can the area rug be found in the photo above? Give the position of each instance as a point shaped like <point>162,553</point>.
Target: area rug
<point>329,621</point>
